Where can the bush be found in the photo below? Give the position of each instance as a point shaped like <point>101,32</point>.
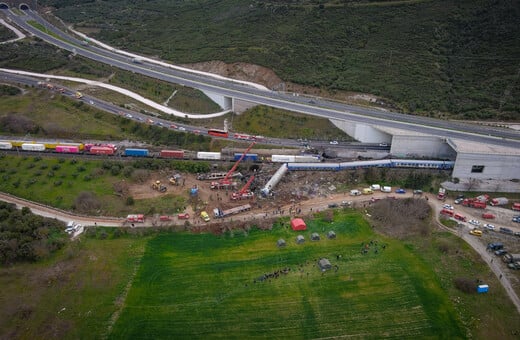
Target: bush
<point>465,285</point>
<point>130,200</point>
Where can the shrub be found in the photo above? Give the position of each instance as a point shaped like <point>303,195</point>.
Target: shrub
<point>465,285</point>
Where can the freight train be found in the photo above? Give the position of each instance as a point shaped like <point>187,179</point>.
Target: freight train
<point>112,150</point>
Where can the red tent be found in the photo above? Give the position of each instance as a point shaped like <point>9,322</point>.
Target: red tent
<point>298,224</point>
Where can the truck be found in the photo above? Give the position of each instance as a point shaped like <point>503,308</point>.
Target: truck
<point>474,203</point>
<point>459,217</point>
<point>516,206</point>
<point>499,201</point>
<point>447,212</point>
<point>183,216</point>
<point>488,216</point>
<point>135,218</point>
<point>509,258</point>
<point>441,194</point>
<point>218,213</point>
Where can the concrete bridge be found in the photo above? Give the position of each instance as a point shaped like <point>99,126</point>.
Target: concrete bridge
<point>23,4</point>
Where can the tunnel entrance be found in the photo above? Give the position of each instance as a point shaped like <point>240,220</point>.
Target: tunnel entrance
<point>24,7</point>
<point>3,5</point>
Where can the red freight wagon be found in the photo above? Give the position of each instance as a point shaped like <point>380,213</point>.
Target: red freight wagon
<point>172,153</point>
<point>447,212</point>
<point>101,150</point>
<point>67,148</point>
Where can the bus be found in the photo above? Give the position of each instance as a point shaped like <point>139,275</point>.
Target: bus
<point>218,133</point>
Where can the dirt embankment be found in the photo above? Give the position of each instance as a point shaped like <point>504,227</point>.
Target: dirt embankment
<point>268,78</point>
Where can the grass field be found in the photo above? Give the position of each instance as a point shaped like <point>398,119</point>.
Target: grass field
<point>138,283</point>
<point>194,286</point>
<point>72,295</point>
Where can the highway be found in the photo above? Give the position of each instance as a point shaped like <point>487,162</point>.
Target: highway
<point>14,78</point>
<point>291,102</point>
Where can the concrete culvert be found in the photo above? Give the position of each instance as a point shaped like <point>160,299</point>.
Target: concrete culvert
<point>300,239</point>
<point>281,243</point>
<point>331,234</point>
<point>315,237</point>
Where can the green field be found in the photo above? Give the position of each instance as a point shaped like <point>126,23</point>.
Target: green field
<point>195,286</point>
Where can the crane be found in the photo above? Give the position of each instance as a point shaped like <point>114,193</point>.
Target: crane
<point>244,193</point>
<point>226,182</point>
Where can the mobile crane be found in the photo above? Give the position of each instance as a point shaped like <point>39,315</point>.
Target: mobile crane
<point>226,182</point>
<point>244,193</point>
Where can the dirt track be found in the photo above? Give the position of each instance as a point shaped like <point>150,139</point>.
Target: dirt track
<point>305,207</point>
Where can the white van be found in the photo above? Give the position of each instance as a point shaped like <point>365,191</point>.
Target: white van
<point>355,192</point>
<point>375,187</point>
<point>386,189</point>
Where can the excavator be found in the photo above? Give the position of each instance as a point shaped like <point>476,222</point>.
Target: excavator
<point>159,187</point>
<point>226,183</point>
<point>244,193</point>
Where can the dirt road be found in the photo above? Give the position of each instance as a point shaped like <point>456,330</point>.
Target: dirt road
<point>301,208</point>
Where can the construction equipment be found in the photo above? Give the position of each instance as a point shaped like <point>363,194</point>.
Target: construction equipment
<point>244,193</point>
<point>175,179</point>
<point>159,187</point>
<point>226,182</point>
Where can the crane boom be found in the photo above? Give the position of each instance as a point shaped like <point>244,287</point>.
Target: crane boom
<point>246,187</point>
<point>226,180</point>
<point>244,193</point>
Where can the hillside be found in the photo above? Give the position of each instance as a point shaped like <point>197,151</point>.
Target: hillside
<point>427,57</point>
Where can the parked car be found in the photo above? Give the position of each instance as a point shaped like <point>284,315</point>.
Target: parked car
<point>516,219</point>
<point>333,205</point>
<point>514,265</point>
<point>383,144</point>
<point>346,203</point>
<point>476,232</point>
<point>495,246</point>
<point>182,128</point>
<point>474,222</point>
<point>448,206</point>
<point>489,226</point>
<point>506,231</point>
<point>460,196</point>
<point>173,126</point>
<point>400,191</point>
<point>417,192</point>
<point>333,142</point>
<point>500,252</point>
<point>458,200</point>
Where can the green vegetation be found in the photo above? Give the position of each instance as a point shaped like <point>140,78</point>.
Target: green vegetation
<point>200,285</point>
<point>45,114</point>
<point>27,237</point>
<point>6,33</point>
<point>425,56</point>
<point>6,90</point>
<point>72,295</point>
<point>92,187</point>
<point>203,285</point>
<point>286,124</point>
